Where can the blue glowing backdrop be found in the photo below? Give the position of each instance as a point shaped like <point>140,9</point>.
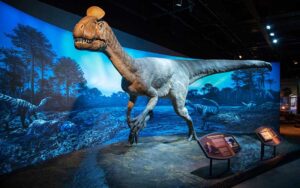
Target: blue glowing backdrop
<point>85,104</point>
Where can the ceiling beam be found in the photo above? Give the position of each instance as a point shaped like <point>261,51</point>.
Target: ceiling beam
<point>169,12</point>
<point>135,13</point>
<point>215,16</point>
<point>284,16</point>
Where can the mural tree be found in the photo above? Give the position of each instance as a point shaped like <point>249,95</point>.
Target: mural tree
<point>203,90</point>
<point>68,72</point>
<point>237,78</point>
<point>248,81</point>
<point>49,87</point>
<point>206,88</point>
<point>12,73</point>
<point>262,73</point>
<point>192,93</point>
<point>31,42</point>
<point>270,81</point>
<point>226,95</point>
<point>45,58</point>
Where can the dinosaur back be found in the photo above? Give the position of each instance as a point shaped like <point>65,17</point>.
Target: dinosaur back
<point>20,104</point>
<point>7,99</point>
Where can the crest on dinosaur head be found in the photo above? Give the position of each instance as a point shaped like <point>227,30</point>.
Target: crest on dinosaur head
<point>90,33</point>
<point>96,12</point>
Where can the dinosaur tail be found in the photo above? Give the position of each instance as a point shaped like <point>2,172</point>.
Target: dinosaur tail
<point>200,68</point>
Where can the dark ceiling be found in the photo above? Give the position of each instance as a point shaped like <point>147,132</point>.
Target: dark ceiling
<point>208,28</point>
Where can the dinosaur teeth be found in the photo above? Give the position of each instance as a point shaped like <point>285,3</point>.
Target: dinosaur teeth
<point>83,40</point>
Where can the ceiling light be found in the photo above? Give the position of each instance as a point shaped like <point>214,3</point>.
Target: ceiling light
<point>268,27</point>
<point>272,34</point>
<point>240,56</point>
<point>178,3</point>
<point>275,41</point>
<point>296,62</point>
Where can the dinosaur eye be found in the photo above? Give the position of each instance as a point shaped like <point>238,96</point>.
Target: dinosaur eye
<point>100,23</point>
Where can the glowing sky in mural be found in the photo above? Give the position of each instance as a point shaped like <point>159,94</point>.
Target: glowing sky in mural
<point>97,69</point>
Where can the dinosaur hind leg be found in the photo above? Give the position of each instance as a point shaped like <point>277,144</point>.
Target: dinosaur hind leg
<point>181,110</point>
<point>9,117</point>
<point>23,119</point>
<point>7,120</point>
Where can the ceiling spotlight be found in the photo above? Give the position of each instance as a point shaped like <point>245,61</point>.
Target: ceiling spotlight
<point>268,27</point>
<point>240,56</point>
<point>272,34</point>
<point>296,62</point>
<point>178,3</point>
<point>275,41</point>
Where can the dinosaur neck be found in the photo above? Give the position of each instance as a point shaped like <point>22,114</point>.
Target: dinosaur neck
<point>41,105</point>
<point>120,59</point>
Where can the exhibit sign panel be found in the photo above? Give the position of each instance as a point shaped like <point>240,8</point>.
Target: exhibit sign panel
<point>219,145</point>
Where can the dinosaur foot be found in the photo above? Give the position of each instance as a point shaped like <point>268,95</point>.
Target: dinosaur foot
<point>133,137</point>
<point>136,125</point>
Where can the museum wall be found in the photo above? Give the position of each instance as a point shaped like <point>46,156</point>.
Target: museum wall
<point>79,102</point>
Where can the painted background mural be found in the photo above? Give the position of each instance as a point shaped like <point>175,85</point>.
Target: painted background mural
<point>84,104</point>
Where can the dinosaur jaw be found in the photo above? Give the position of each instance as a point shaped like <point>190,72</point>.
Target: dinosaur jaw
<point>89,44</point>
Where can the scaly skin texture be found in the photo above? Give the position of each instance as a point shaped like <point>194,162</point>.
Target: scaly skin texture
<point>22,108</point>
<point>151,77</point>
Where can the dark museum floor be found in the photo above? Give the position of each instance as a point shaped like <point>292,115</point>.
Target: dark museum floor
<point>283,176</point>
<point>164,161</point>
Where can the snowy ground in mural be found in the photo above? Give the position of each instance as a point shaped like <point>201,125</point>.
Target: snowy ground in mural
<point>56,133</point>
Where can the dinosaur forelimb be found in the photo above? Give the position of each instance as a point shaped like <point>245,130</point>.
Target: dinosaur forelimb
<point>140,121</point>
<point>134,132</point>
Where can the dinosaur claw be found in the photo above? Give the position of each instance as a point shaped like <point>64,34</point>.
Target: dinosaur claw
<point>131,138</point>
<point>135,125</point>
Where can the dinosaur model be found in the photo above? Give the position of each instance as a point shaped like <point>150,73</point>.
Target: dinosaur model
<point>151,77</point>
<point>249,106</point>
<point>206,110</point>
<point>22,108</point>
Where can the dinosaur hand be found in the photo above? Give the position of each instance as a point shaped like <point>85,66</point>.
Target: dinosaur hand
<point>136,125</point>
<point>139,122</point>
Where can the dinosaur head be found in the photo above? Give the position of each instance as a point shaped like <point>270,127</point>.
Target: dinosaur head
<point>90,33</point>
<point>44,102</point>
